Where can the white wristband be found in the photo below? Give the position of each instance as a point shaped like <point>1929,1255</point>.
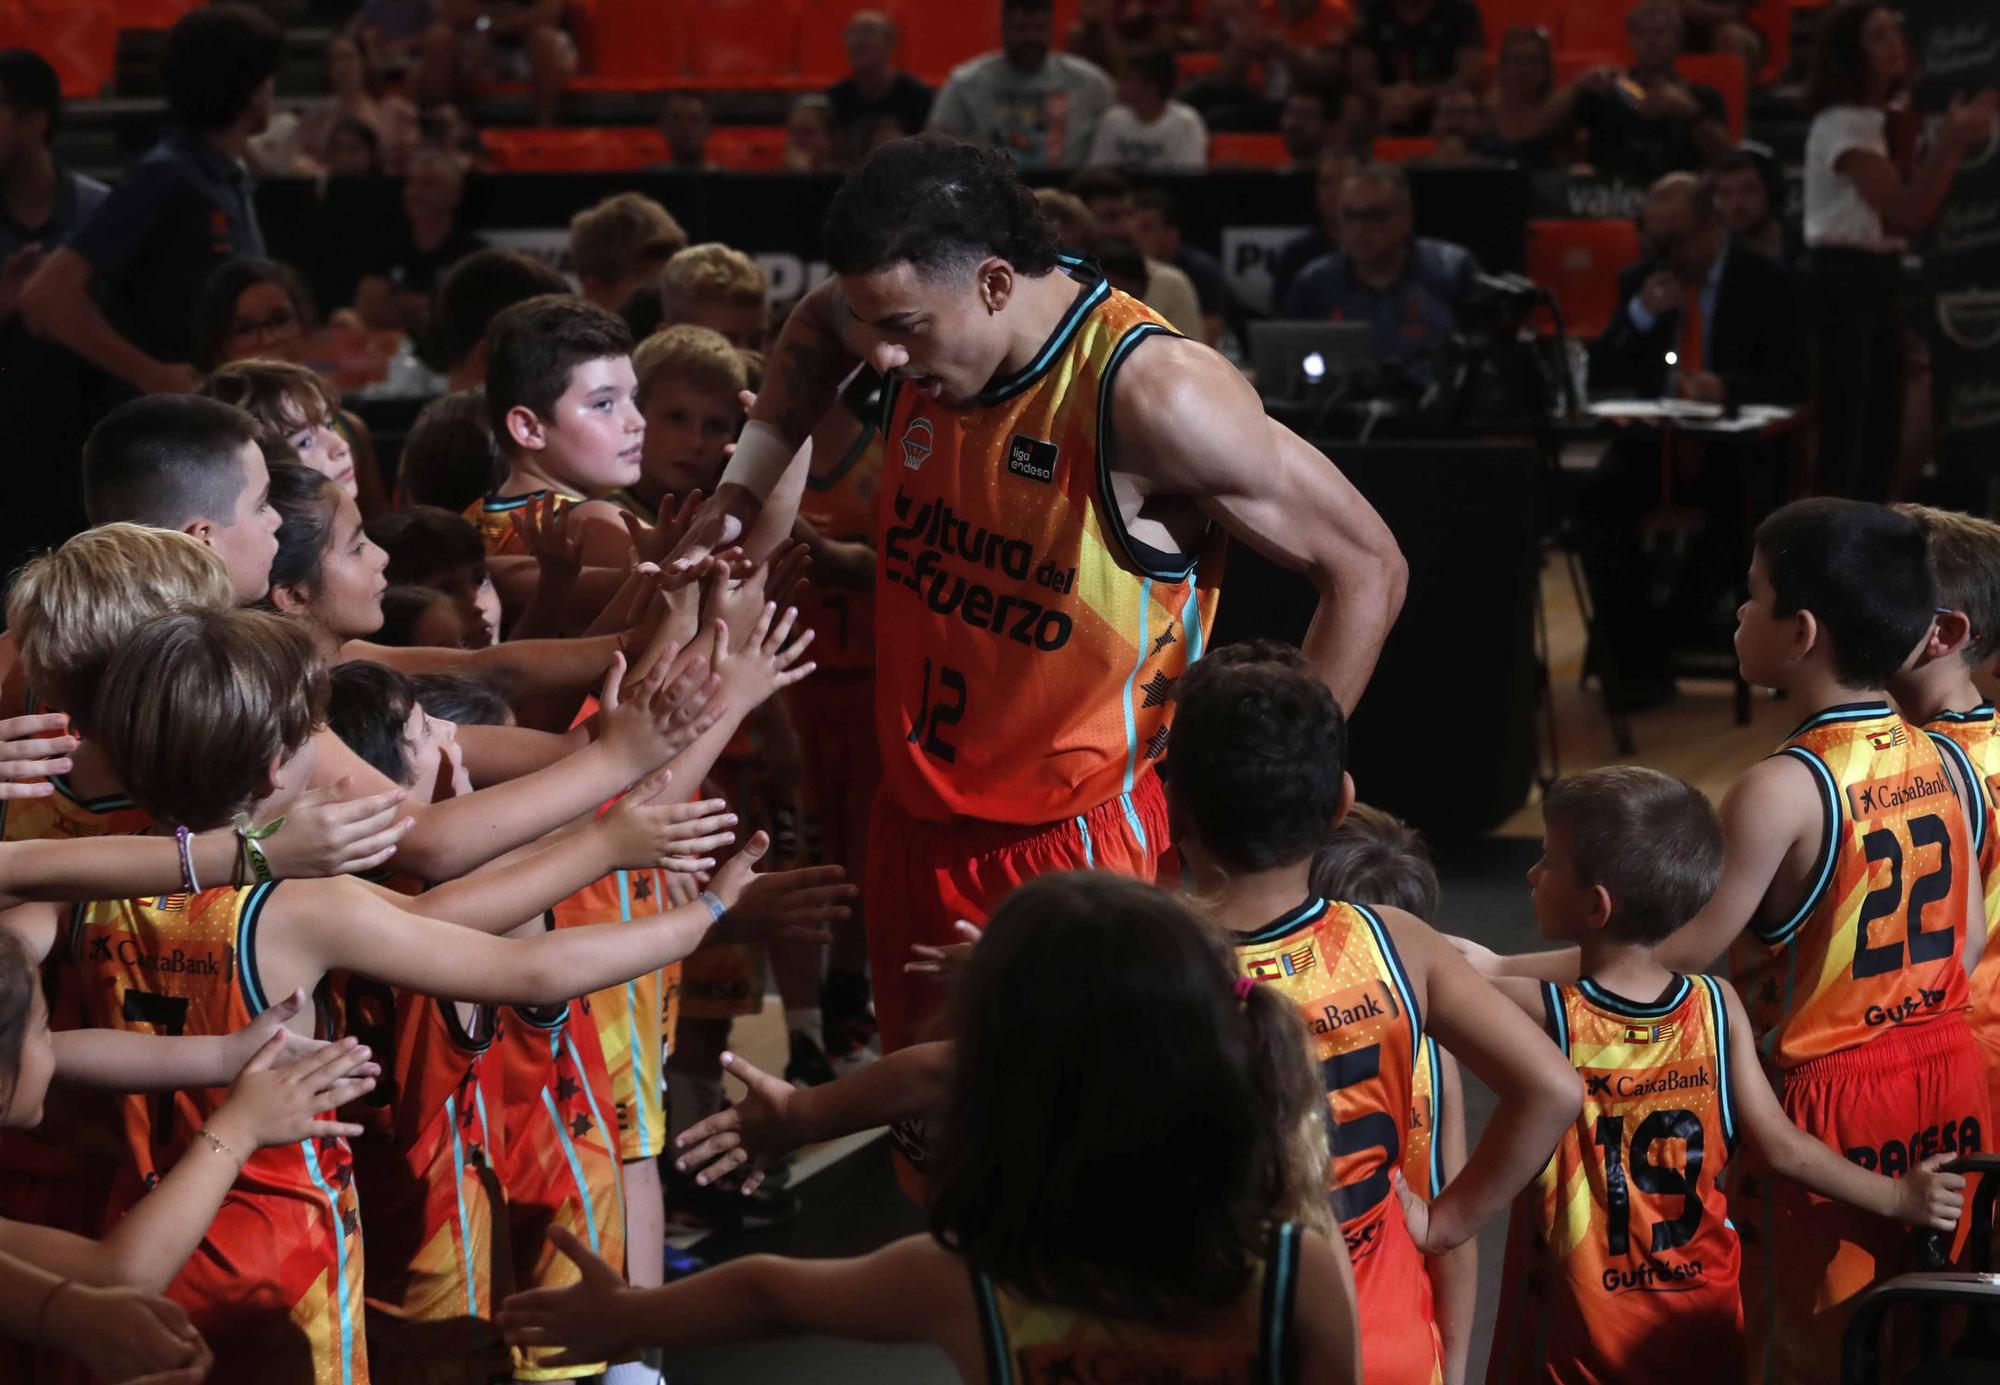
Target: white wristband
<point>761,456</point>
<point>716,908</point>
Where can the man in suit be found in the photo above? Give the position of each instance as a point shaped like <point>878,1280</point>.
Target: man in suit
<point>1701,318</point>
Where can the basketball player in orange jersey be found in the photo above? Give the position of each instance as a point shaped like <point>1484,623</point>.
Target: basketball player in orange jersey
<point>1622,1244</point>
<point>1938,693</point>
<point>1061,468</point>
<point>1850,905</point>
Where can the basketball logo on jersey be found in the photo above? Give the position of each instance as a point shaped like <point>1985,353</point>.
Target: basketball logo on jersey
<point>1032,459</point>
<point>916,442</point>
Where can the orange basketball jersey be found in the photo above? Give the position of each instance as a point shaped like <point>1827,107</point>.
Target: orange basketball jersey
<point>560,1163</point>
<point>427,1186</point>
<point>494,515</point>
<point>1338,964</point>
<point>1028,1343</point>
<point>276,1285</point>
<point>1423,1155</point>
<point>1968,739</point>
<point>1875,942</point>
<point>1621,1263</point>
<point>840,502</point>
<point>1026,645</point>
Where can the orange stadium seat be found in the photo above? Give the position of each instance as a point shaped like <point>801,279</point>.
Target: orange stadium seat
<point>747,148</point>
<point>1773,19</point>
<point>1395,149</point>
<point>605,149</point>
<point>739,42</point>
<point>937,37</point>
<point>80,41</point>
<point>635,42</point>
<point>1580,261</point>
<point>1723,72</point>
<point>1247,151</point>
<point>822,45</point>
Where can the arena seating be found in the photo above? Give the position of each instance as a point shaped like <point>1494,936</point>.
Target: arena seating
<point>1579,260</point>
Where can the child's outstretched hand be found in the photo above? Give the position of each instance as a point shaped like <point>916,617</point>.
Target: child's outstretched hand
<point>34,747</point>
<point>251,1040</point>
<point>754,1129</point>
<point>544,529</point>
<point>326,834</point>
<point>651,543</point>
<point>948,961</point>
<point>797,905</point>
<point>657,719</point>
<point>588,1317</point>
<point>652,830</point>
<point>769,658</point>
<point>269,1105</point>
<point>1478,956</point>
<point>127,1336</point>
<point>1926,1196</point>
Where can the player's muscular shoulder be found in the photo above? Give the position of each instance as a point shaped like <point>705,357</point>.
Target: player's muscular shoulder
<point>1183,417</point>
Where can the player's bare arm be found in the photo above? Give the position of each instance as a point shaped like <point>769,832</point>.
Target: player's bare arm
<point>1188,430</point>
<point>1771,832</point>
<point>1971,884</point>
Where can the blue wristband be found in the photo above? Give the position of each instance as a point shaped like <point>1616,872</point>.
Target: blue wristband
<point>716,908</point>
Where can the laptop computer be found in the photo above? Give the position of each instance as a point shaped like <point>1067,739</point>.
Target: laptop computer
<point>1297,360</point>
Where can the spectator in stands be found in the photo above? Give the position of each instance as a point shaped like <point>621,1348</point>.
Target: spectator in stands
<point>477,42</point>
<point>1408,288</point>
<point>1405,51</point>
<point>1124,265</point>
<point>1039,106</point>
<point>1458,124</point>
<point>1647,121</point>
<point>716,286</point>
<point>1075,228</point>
<point>619,247</point>
<point>1148,131</point>
<point>120,294</point>
<point>1723,26</point>
<point>1105,29</point>
<point>396,291</point>
<point>1306,124</point>
<point>685,123</point>
<point>352,149</point>
<point>1749,190</point>
<point>1860,206</point>
<point>1167,291</point>
<point>1699,319</point>
<point>475,291</point>
<point>875,90</point>
<point>809,142</point>
<point>41,201</point>
<point>1155,224</point>
<point>1533,119</point>
<point>248,308</point>
<point>391,120</point>
<point>1329,176</point>
<point>391,34</point>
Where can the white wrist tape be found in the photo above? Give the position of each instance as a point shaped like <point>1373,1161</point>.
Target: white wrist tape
<point>761,456</point>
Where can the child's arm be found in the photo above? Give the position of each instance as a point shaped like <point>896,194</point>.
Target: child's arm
<point>657,722</point>
<point>772,1117</point>
<point>380,938</point>
<point>1455,1274</point>
<point>266,1106</point>
<point>525,668</point>
<point>1539,1092</point>
<point>120,1334</point>
<point>558,564</point>
<point>497,754</point>
<point>318,837</point>
<point>910,1290</point>
<point>124,1060</point>
<point>1922,1197</point>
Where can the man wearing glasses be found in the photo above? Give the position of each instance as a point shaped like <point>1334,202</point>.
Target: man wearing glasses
<point>1408,288</point>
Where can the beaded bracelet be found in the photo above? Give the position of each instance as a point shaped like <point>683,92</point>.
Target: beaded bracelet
<point>182,837</point>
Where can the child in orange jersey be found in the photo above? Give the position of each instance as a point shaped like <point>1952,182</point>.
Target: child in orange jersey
<point>1937,692</point>
<point>1099,1026</point>
<point>1596,1286</point>
<point>1374,858</point>
<point>203,714</point>
<point>1850,904</point>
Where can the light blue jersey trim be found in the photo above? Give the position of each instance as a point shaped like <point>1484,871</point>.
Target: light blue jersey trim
<point>341,1295</point>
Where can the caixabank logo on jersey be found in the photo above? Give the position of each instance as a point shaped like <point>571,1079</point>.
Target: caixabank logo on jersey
<point>1891,793</point>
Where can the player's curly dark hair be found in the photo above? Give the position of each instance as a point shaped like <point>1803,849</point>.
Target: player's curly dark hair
<point>934,201</point>
<point>1106,1069</point>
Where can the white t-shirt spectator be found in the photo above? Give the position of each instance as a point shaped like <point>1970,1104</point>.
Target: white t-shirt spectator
<point>1836,212</point>
<point>1176,142</point>
<point>1045,118</point>
<point>1170,293</point>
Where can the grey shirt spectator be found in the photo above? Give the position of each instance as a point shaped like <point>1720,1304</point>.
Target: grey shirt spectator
<point>1410,316</point>
<point>1041,107</point>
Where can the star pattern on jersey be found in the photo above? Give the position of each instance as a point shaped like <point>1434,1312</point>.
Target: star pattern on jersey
<point>642,887</point>
<point>350,1222</point>
<point>1767,994</point>
<point>566,1089</point>
<point>579,1126</point>
<point>1156,744</point>
<point>1166,638</point>
<point>1156,689</point>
